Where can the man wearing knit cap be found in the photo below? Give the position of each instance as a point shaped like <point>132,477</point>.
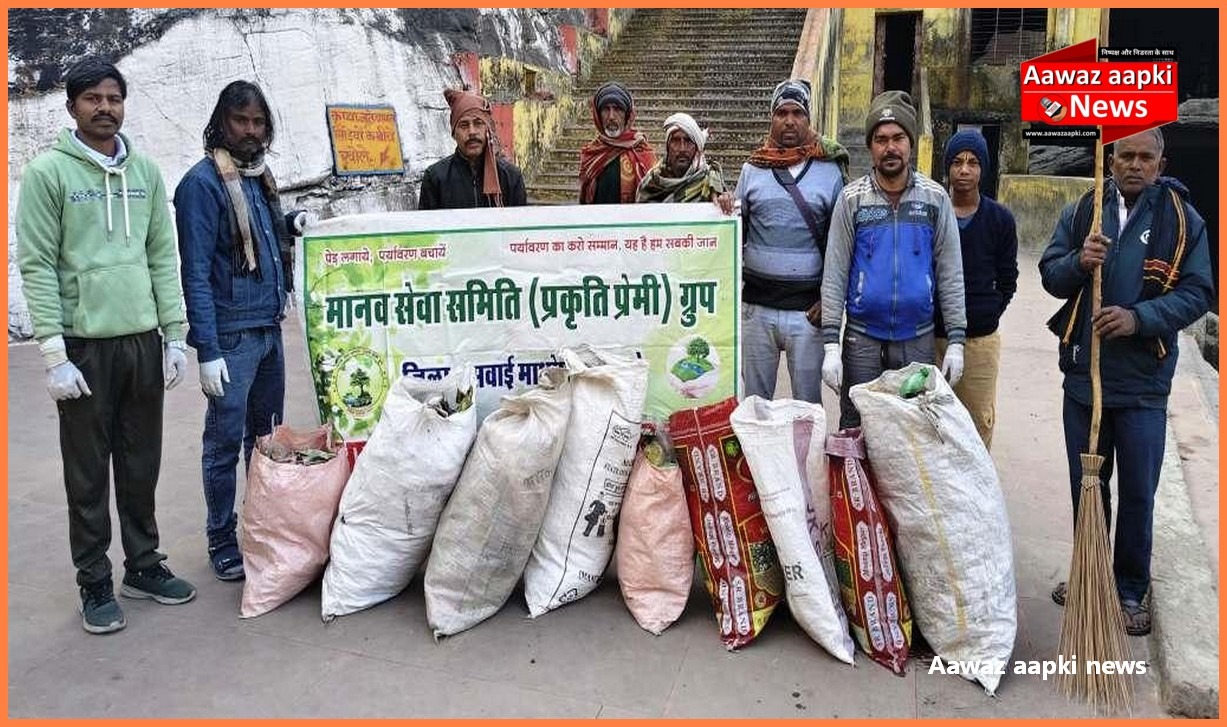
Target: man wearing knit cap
<point>612,165</point>
<point>893,247</point>
<point>685,175</point>
<point>786,192</point>
<point>475,175</point>
<point>989,243</point>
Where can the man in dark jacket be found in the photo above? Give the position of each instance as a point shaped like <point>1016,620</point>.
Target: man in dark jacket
<point>474,175</point>
<point>989,240</point>
<point>1156,280</point>
<point>236,252</point>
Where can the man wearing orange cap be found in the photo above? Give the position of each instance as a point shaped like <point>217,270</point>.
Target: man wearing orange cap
<point>474,175</point>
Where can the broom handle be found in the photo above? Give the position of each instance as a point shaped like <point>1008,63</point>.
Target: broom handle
<point>1096,301</point>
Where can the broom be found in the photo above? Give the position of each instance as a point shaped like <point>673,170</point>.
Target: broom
<point>1092,627</point>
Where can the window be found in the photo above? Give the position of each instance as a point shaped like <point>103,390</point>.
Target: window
<point>1007,36</point>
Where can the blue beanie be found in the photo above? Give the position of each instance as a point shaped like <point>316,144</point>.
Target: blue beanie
<point>967,140</point>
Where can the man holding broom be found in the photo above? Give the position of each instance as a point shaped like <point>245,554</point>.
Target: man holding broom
<point>1156,280</point>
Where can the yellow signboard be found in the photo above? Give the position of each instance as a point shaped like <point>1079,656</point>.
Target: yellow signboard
<point>364,140</point>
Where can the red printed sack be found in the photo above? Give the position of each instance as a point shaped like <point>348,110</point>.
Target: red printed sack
<point>741,570</point>
<point>869,583</point>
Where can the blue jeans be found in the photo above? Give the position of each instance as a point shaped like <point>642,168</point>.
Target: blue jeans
<point>249,406</point>
<point>1134,437</point>
<point>767,331</point>
<point>866,357</point>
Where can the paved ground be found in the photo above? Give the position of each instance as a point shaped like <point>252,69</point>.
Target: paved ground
<point>588,659</point>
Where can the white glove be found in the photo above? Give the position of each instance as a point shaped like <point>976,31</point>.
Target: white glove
<point>952,363</point>
<point>174,363</point>
<point>64,380</point>
<point>302,219</point>
<point>212,374</point>
<point>832,366</point>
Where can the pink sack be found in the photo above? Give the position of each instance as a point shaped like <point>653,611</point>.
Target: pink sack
<point>655,550</point>
<point>288,513</point>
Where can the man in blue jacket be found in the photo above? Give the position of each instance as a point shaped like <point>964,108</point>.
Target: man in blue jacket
<point>235,250</point>
<point>892,255</point>
<point>1156,280</point>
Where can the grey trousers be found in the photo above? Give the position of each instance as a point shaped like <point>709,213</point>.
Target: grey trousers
<point>767,331</point>
<point>865,358</point>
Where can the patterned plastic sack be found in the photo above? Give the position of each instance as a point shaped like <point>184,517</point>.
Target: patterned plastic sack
<point>740,566</point>
<point>869,583</point>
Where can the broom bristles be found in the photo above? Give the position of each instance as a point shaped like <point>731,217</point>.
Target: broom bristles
<point>1092,627</point>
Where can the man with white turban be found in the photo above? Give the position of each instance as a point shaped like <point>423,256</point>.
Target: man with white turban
<point>685,174</point>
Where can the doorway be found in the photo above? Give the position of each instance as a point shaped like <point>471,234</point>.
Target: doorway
<point>896,45</point>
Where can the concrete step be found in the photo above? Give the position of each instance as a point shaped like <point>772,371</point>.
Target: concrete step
<point>717,65</point>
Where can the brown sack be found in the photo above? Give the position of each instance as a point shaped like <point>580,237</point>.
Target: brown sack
<point>287,517</point>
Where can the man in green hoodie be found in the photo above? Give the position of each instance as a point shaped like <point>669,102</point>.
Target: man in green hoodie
<point>96,248</point>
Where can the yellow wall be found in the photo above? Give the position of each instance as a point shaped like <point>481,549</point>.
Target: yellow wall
<point>540,118</point>
<point>1036,202</point>
<point>855,48</point>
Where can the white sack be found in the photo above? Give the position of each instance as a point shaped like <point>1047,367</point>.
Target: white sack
<point>938,486</point>
<point>577,538</point>
<point>783,443</point>
<point>488,528</point>
<point>400,483</point>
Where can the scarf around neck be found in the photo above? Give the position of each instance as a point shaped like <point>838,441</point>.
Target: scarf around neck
<point>697,185</point>
<point>246,251</point>
<point>773,156</point>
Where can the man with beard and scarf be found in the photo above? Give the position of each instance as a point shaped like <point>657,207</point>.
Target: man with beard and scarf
<point>236,255</point>
<point>474,175</point>
<point>685,175</point>
<point>786,191</point>
<point>612,165</point>
<point>894,244</point>
<point>96,248</point>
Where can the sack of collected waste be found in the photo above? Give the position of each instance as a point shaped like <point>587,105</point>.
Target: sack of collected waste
<point>294,485</point>
<point>655,550</point>
<point>489,525</point>
<point>870,586</point>
<point>783,442</point>
<point>400,483</point>
<point>739,561</point>
<point>577,537</point>
<point>940,491</point>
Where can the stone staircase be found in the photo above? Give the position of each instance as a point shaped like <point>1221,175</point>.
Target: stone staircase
<point>859,162</point>
<point>719,66</point>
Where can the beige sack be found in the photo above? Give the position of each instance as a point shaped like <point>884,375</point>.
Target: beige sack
<point>655,552</point>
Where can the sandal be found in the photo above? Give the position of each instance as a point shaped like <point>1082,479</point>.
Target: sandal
<point>1059,593</point>
<point>1137,618</point>
<point>227,562</point>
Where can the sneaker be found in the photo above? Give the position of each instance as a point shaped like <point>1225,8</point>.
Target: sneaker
<point>100,612</point>
<point>227,562</point>
<point>159,584</point>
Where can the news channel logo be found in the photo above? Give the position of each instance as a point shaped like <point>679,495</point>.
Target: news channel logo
<point>1053,108</point>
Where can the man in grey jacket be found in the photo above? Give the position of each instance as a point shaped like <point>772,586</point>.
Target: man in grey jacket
<point>893,245</point>
<point>786,191</point>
